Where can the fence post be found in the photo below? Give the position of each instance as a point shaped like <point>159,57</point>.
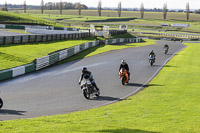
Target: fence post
<point>4,40</point>
<point>21,39</point>
<point>13,39</point>
<point>65,37</point>
<point>42,38</point>
<point>29,37</point>
<point>35,38</point>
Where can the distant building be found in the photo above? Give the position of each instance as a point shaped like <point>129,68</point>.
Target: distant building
<point>180,25</point>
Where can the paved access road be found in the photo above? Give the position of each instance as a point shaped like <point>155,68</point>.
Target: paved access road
<point>8,32</point>
<point>55,90</point>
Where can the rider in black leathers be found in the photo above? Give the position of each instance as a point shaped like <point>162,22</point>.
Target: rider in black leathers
<point>86,73</point>
<point>166,46</point>
<point>153,54</point>
<point>125,66</point>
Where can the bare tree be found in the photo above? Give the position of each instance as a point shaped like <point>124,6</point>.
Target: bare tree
<point>142,10</point>
<point>60,7</point>
<point>6,6</point>
<point>119,9</point>
<point>99,8</point>
<point>79,8</point>
<point>24,6</point>
<point>42,6</point>
<point>187,11</point>
<point>165,11</point>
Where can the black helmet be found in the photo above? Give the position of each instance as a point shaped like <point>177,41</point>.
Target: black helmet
<point>84,69</point>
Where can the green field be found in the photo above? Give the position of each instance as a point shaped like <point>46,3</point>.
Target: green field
<point>10,17</point>
<point>169,104</point>
<point>129,14</point>
<point>152,20</point>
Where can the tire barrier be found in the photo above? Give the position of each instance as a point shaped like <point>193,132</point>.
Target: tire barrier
<point>120,40</point>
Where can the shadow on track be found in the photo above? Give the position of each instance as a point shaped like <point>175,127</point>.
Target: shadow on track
<point>105,98</point>
<point>11,112</point>
<point>142,85</point>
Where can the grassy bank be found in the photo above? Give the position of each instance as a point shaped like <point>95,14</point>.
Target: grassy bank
<point>16,55</point>
<point>169,104</point>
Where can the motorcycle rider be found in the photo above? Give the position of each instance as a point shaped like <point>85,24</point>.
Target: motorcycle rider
<point>125,66</point>
<point>166,46</point>
<point>152,54</point>
<point>85,72</point>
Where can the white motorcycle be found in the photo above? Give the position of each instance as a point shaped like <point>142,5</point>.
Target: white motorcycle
<point>151,59</point>
<point>165,50</point>
<point>88,89</point>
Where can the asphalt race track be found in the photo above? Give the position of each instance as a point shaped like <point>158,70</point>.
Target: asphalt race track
<point>55,90</point>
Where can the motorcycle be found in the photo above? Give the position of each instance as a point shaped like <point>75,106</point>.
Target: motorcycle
<point>151,59</point>
<point>123,76</point>
<point>165,50</point>
<point>88,89</point>
<point>1,103</point>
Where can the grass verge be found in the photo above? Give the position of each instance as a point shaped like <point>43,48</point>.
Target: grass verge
<point>169,104</point>
<point>17,55</point>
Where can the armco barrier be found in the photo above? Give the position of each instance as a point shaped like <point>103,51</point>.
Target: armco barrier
<point>60,55</point>
<point>13,72</point>
<point>118,40</point>
<point>6,74</point>
<point>40,38</point>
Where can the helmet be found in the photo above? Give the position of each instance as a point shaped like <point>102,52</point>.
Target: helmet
<point>123,62</point>
<point>84,69</point>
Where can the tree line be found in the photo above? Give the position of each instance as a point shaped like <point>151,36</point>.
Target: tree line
<point>78,6</point>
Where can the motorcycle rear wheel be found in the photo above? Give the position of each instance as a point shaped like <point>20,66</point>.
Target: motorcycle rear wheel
<point>86,94</point>
<point>1,103</point>
<point>98,94</point>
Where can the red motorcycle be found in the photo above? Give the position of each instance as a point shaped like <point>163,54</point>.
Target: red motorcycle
<point>123,76</point>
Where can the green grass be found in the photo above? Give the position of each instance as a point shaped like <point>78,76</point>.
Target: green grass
<point>10,17</point>
<point>169,104</point>
<point>16,55</point>
<point>18,31</point>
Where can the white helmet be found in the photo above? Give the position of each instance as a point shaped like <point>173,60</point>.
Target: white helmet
<point>123,62</point>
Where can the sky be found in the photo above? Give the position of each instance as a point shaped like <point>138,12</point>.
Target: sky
<point>171,4</point>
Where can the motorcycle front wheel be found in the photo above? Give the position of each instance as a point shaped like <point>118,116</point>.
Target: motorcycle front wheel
<point>123,80</point>
<point>86,94</point>
<point>151,63</point>
<point>1,103</point>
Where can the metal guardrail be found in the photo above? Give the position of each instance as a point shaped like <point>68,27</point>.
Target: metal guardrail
<point>60,55</point>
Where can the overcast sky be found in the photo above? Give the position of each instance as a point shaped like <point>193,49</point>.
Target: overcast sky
<point>171,4</point>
